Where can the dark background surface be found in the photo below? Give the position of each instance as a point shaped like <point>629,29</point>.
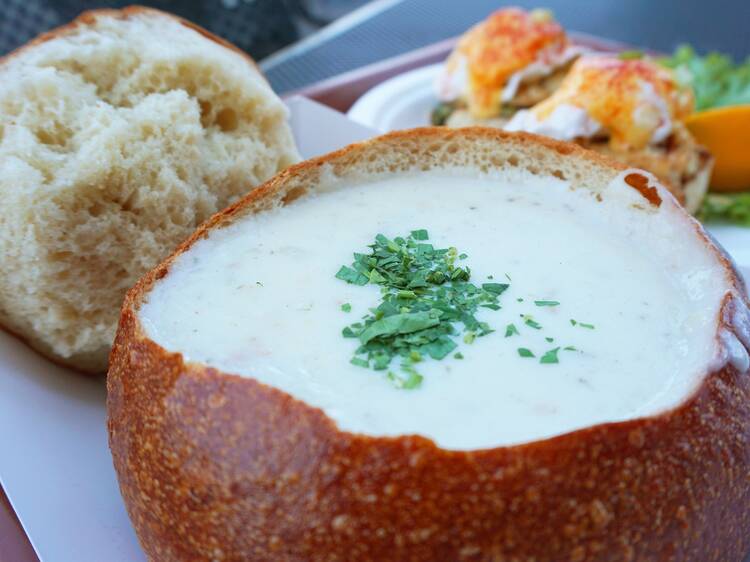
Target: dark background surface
<point>656,24</point>
<point>258,26</point>
<point>385,28</point>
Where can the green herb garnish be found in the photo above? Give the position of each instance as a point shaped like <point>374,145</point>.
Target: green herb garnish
<point>410,381</point>
<point>351,276</point>
<point>547,303</point>
<point>523,352</point>
<point>582,324</point>
<point>550,356</point>
<point>424,297</point>
<point>458,355</point>
<point>530,322</point>
<point>496,288</point>
<point>346,307</point>
<point>511,330</point>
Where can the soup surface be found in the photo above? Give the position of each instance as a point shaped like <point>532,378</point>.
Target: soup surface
<point>636,300</point>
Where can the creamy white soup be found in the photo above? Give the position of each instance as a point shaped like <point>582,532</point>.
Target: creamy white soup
<point>629,299</point>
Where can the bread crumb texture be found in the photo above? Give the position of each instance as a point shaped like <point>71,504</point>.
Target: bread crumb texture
<point>118,136</point>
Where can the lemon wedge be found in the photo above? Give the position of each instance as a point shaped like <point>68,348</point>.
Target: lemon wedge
<point>725,131</point>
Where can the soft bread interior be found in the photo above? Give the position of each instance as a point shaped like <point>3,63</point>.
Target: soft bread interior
<point>611,244</point>
<point>118,136</point>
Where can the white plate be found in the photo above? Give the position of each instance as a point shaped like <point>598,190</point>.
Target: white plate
<point>55,465</point>
<point>406,100</point>
<point>402,102</point>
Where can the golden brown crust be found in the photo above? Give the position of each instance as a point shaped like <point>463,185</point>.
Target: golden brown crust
<point>216,466</point>
<point>89,17</point>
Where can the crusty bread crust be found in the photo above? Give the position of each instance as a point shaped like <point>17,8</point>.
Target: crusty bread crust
<point>89,17</point>
<point>214,466</point>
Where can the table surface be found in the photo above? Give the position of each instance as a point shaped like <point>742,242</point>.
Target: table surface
<point>386,28</point>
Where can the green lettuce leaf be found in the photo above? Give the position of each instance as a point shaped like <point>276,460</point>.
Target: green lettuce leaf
<point>716,80</point>
<point>724,207</point>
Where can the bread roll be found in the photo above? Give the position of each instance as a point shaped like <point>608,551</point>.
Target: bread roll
<point>119,134</point>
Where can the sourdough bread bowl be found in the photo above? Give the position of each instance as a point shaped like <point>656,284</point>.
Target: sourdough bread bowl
<point>119,134</point>
<point>240,430</point>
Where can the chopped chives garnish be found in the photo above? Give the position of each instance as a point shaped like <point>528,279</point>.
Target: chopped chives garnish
<point>547,303</point>
<point>351,276</point>
<point>495,288</point>
<point>530,322</point>
<point>550,356</point>
<point>523,352</point>
<point>511,330</point>
<point>346,307</point>
<point>411,381</point>
<point>424,296</point>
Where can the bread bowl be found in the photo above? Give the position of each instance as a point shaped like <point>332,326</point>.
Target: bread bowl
<point>119,134</point>
<point>219,463</point>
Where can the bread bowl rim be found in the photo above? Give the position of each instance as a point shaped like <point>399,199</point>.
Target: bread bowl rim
<point>147,384</point>
<point>238,209</point>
